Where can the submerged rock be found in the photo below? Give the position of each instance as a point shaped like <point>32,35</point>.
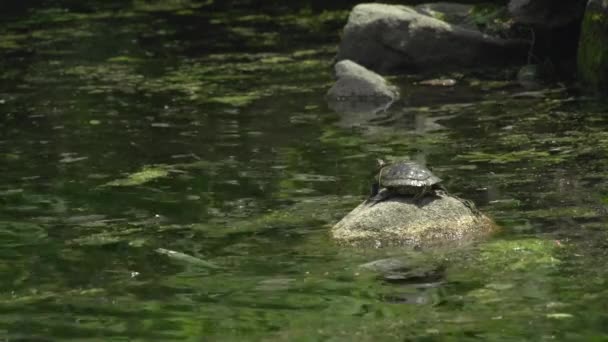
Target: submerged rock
<point>407,268</point>
<point>529,76</point>
<point>401,221</point>
<point>389,37</point>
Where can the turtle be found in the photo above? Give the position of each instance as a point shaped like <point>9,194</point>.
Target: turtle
<point>406,178</point>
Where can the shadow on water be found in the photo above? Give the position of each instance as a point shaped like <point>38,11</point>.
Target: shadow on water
<point>201,131</point>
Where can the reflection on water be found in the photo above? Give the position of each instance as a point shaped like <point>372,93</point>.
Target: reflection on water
<point>204,134</point>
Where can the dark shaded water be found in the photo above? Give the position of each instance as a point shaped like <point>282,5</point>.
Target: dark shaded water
<point>133,129</point>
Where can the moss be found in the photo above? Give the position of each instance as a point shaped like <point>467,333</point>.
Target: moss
<point>148,174</point>
<point>509,157</point>
<point>508,260</point>
<point>573,212</point>
<point>11,41</point>
<point>593,51</point>
<point>166,5</point>
<point>235,100</point>
<point>124,59</point>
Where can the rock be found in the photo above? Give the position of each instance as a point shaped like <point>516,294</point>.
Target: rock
<point>360,90</point>
<point>361,83</point>
<point>388,38</point>
<point>593,47</point>
<point>408,268</point>
<point>434,221</point>
<point>528,76</point>
<point>547,13</point>
<point>438,82</point>
<point>455,14</point>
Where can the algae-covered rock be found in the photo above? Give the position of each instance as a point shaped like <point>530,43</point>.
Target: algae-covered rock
<point>402,221</point>
<point>593,47</point>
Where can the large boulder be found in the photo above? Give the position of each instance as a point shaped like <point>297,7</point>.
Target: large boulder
<point>400,221</point>
<point>453,13</point>
<point>593,47</point>
<point>387,38</point>
<point>547,13</point>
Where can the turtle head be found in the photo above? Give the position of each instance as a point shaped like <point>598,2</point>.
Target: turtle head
<point>380,163</point>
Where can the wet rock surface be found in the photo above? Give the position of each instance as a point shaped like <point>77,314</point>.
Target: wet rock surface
<point>401,221</point>
<point>390,38</point>
<point>359,90</point>
<point>357,82</point>
<point>453,13</point>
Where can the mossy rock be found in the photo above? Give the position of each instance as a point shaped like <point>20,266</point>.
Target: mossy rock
<point>593,47</point>
<point>432,221</point>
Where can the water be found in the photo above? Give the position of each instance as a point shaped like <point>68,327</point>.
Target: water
<point>134,129</point>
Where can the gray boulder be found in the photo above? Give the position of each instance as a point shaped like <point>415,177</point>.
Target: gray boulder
<point>388,38</point>
<point>453,13</point>
<point>359,90</point>
<point>360,83</point>
<point>434,221</point>
<point>547,13</point>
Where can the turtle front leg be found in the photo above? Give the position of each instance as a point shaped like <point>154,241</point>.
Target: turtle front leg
<point>440,187</point>
<point>375,189</point>
<point>420,194</point>
<point>379,196</point>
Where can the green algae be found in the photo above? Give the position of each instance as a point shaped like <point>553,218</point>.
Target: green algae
<point>304,214</point>
<point>11,41</point>
<point>147,174</point>
<point>40,296</point>
<point>16,234</point>
<point>259,202</point>
<point>167,5</point>
<point>319,22</point>
<point>114,236</point>
<point>563,212</point>
<point>198,81</point>
<point>125,59</point>
<point>508,260</point>
<point>236,100</point>
<point>503,158</point>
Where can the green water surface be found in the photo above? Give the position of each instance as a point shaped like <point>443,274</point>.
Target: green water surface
<point>169,171</point>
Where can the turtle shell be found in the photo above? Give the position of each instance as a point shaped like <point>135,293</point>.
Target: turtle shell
<point>406,174</point>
